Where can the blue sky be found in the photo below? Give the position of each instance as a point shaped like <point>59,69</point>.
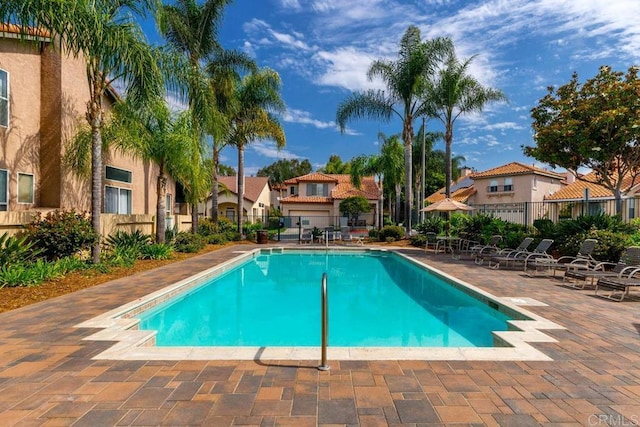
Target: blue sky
<point>322,50</point>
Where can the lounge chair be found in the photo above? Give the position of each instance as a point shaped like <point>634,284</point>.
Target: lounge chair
<point>629,261</point>
<point>306,237</point>
<point>618,287</point>
<point>346,236</point>
<point>582,261</point>
<point>522,257</point>
<point>526,242</point>
<point>471,248</point>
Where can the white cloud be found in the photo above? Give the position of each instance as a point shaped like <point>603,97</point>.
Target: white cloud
<point>291,4</point>
<point>268,149</point>
<point>505,126</point>
<point>304,117</point>
<point>346,68</point>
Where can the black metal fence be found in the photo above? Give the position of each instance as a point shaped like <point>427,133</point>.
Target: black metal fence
<point>526,212</point>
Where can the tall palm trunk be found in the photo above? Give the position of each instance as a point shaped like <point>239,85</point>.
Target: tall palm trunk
<point>94,117</point>
<point>214,185</point>
<point>448,136</point>
<point>194,218</point>
<point>407,137</point>
<point>396,216</point>
<point>161,190</point>
<point>240,184</point>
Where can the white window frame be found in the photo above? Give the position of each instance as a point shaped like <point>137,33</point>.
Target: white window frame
<point>118,180</point>
<point>33,185</point>
<point>120,189</point>
<point>5,204</point>
<point>6,100</point>
<point>168,203</point>
<point>493,186</point>
<point>535,182</point>
<point>508,182</point>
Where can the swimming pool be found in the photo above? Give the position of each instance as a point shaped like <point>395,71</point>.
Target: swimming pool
<point>376,299</point>
<point>121,326</point>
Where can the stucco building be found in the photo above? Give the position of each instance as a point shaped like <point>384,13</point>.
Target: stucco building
<point>43,96</point>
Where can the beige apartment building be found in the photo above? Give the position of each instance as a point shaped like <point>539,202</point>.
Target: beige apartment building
<point>43,96</point>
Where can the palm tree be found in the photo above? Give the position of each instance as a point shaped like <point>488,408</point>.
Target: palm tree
<point>453,94</point>
<point>106,35</point>
<point>388,165</point>
<point>192,32</point>
<point>405,80</point>
<point>223,70</point>
<point>257,98</point>
<point>154,134</point>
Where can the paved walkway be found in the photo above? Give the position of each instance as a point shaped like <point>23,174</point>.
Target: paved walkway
<point>48,377</point>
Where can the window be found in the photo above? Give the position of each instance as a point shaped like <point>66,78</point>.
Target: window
<point>25,188</point>
<point>168,206</point>
<point>4,98</point>
<point>318,190</point>
<point>632,210</point>
<point>493,186</point>
<point>4,190</point>
<point>230,213</point>
<point>508,184</point>
<point>117,200</point>
<point>293,190</point>
<point>115,174</point>
<point>535,182</point>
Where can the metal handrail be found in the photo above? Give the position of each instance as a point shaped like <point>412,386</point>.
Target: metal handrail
<point>324,324</point>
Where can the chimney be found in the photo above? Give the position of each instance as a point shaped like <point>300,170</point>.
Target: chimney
<point>465,171</point>
<point>569,177</point>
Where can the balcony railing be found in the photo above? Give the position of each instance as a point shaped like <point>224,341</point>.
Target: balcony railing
<point>500,189</point>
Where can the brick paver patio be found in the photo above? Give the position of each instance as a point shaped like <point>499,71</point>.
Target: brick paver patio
<point>48,377</point>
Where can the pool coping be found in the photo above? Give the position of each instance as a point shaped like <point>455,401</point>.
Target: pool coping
<point>134,344</point>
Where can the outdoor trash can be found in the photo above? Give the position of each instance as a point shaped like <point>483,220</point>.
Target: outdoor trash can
<point>262,236</point>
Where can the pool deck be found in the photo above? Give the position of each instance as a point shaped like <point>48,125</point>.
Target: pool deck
<point>48,376</point>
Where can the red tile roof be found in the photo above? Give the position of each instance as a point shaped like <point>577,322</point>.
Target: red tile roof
<point>253,185</point>
<point>576,189</point>
<point>460,195</point>
<point>515,168</point>
<point>344,188</point>
<point>18,30</point>
<point>313,177</point>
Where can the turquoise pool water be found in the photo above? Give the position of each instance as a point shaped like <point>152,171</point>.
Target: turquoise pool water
<point>376,299</point>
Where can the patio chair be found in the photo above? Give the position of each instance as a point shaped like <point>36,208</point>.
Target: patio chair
<point>472,248</point>
<point>431,242</point>
<point>523,257</point>
<point>347,236</point>
<point>618,287</point>
<point>329,234</point>
<point>306,237</point>
<point>582,260</point>
<point>629,261</point>
<point>523,246</point>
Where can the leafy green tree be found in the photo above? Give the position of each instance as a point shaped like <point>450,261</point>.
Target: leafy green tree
<point>257,99</point>
<point>107,36</point>
<point>595,125</point>
<point>388,165</point>
<point>335,165</point>
<point>353,206</point>
<point>405,80</point>
<point>284,169</point>
<point>455,93</point>
<point>153,133</point>
<point>224,170</point>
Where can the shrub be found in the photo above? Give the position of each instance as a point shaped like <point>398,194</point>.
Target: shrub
<point>217,239</point>
<point>61,233</point>
<point>16,249</point>
<point>546,228</point>
<point>170,233</point>
<point>156,251</point>
<point>431,224</point>
<point>394,231</point>
<point>207,227</point>
<point>188,242</point>
<point>374,234</point>
<point>250,230</point>
<point>133,242</point>
<point>122,256</point>
<point>233,236</point>
<point>390,239</point>
<point>419,240</point>
<point>31,274</point>
<point>609,247</point>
